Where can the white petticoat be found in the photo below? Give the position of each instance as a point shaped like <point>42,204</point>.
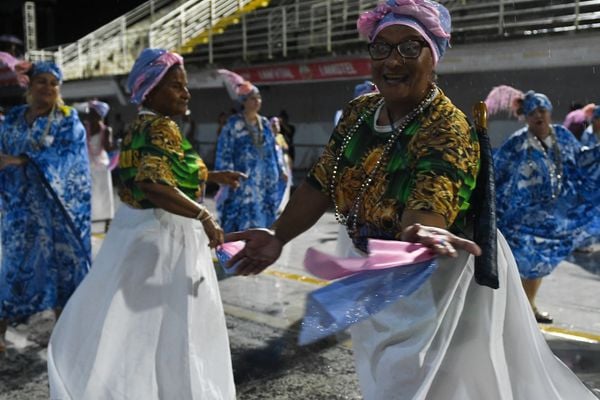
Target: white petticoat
<point>454,339</point>
<point>147,322</point>
<point>102,194</point>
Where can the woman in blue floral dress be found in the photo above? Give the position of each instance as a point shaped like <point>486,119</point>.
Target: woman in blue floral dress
<point>546,188</point>
<point>45,189</point>
<point>246,144</point>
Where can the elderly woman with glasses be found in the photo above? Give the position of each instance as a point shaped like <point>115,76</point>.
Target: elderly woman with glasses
<point>402,165</point>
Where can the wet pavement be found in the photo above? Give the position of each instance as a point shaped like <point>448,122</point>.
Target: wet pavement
<point>263,315</point>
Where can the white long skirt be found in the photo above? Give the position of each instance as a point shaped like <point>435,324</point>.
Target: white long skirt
<point>454,339</point>
<point>147,322</point>
<point>103,207</point>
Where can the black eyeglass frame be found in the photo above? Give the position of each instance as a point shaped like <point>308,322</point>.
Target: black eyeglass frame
<point>396,46</point>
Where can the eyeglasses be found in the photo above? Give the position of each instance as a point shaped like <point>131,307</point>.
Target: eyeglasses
<point>408,49</point>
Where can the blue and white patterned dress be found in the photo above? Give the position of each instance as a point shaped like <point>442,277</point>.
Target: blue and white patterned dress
<point>588,138</point>
<point>46,246</point>
<point>541,230</point>
<point>254,204</point>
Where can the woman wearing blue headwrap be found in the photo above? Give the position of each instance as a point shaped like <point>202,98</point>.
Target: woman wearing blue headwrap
<point>591,135</point>
<point>45,189</point>
<point>547,188</point>
<point>148,322</point>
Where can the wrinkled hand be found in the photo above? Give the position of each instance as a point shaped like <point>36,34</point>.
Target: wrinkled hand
<point>214,232</point>
<point>262,249</point>
<point>439,240</point>
<point>229,178</point>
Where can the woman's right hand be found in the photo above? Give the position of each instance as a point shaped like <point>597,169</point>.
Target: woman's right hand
<point>214,232</point>
<point>262,249</point>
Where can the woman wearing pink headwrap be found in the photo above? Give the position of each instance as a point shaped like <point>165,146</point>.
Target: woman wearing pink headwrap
<point>148,322</point>
<point>399,163</point>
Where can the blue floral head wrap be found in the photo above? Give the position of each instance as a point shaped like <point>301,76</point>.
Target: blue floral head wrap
<point>429,18</point>
<point>100,107</point>
<point>533,100</point>
<point>148,70</point>
<point>47,67</point>
<point>364,88</point>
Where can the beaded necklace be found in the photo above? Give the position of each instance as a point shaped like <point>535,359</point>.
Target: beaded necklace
<point>256,131</point>
<point>555,166</point>
<point>351,220</point>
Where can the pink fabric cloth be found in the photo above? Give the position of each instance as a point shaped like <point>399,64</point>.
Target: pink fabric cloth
<point>382,254</point>
<point>232,248</point>
<point>421,10</point>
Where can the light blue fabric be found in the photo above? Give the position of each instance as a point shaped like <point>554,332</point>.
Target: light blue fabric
<point>46,247</point>
<point>337,306</point>
<point>543,231</point>
<point>254,204</point>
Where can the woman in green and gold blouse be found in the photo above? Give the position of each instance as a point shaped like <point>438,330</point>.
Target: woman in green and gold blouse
<point>402,165</point>
<point>148,322</point>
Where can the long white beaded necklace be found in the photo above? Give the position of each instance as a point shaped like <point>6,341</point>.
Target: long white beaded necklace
<point>351,220</point>
<point>554,166</point>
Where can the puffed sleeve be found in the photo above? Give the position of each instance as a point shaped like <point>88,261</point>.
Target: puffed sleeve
<point>163,145</point>
<point>225,147</point>
<point>446,163</point>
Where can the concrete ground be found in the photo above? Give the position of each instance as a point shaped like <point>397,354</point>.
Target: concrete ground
<point>263,315</point>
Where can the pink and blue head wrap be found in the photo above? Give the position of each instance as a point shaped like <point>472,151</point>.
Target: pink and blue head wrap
<point>148,70</point>
<point>429,18</point>
<point>364,88</point>
<point>100,107</point>
<point>533,100</point>
<point>47,67</point>
<point>246,90</point>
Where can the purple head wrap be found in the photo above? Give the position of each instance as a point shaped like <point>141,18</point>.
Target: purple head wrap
<point>364,88</point>
<point>533,100</point>
<point>100,107</point>
<point>429,18</point>
<point>148,70</point>
<point>47,67</point>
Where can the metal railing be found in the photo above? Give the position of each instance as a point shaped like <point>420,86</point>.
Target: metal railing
<point>312,28</point>
<point>112,49</point>
<point>240,31</point>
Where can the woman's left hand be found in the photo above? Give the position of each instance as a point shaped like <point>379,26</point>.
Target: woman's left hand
<point>439,240</point>
<point>229,178</point>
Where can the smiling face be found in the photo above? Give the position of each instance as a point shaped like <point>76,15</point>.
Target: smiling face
<point>402,80</point>
<point>44,90</point>
<point>171,96</point>
<point>539,122</point>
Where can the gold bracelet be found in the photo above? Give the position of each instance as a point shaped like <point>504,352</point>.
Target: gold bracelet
<point>203,215</point>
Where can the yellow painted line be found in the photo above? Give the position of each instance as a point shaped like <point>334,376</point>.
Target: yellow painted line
<point>296,277</point>
<point>99,235</point>
<point>571,335</point>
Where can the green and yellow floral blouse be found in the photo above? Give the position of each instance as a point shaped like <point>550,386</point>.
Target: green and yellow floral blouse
<point>432,167</point>
<point>153,150</point>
